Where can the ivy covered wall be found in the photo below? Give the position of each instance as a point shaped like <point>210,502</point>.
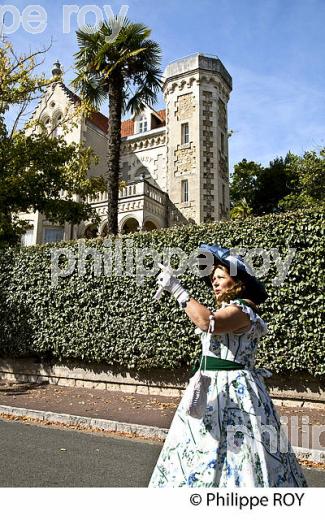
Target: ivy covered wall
<point>102,315</point>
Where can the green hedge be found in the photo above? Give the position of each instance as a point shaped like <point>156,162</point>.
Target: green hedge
<point>115,320</point>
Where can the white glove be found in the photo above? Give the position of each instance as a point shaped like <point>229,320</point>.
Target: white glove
<point>169,283</point>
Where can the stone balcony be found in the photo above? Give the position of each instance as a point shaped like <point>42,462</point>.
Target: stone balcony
<point>139,197</point>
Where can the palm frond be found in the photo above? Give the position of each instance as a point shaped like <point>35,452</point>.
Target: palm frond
<point>90,87</point>
<point>131,56</point>
<point>123,59</point>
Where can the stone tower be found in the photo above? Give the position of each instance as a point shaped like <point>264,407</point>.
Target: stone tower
<point>196,91</point>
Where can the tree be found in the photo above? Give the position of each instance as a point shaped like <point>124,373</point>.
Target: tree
<point>262,187</point>
<point>241,210</point>
<point>244,182</point>
<point>272,184</point>
<point>307,181</point>
<point>110,69</point>
<point>35,168</point>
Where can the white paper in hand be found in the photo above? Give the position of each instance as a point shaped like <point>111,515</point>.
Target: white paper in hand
<point>164,269</point>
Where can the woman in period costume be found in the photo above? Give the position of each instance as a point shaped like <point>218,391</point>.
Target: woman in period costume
<point>226,431</point>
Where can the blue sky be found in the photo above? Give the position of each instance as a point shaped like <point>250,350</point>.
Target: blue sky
<point>273,49</point>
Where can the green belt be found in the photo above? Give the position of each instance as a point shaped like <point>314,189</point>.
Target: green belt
<point>212,363</point>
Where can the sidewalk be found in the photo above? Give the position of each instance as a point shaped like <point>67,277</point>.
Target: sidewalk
<point>135,410</point>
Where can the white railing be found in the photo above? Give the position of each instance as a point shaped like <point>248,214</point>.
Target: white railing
<point>133,190</point>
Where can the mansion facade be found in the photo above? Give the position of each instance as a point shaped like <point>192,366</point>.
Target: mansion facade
<point>174,161</point>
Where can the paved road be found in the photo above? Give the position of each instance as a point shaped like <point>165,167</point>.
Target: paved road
<point>35,456</point>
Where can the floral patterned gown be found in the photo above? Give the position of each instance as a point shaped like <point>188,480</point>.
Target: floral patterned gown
<point>239,441</point>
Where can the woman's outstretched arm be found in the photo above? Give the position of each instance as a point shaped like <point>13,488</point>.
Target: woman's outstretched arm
<point>230,319</point>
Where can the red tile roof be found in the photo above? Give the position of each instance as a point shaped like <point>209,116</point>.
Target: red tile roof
<point>101,121</point>
<point>162,114</point>
<point>127,128</point>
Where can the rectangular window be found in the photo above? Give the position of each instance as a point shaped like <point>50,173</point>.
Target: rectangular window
<point>184,190</point>
<point>185,133</point>
<point>143,126</point>
<point>53,234</point>
<point>222,143</point>
<point>27,237</point>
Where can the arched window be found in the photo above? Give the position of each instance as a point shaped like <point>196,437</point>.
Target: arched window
<point>91,231</point>
<point>149,226</point>
<point>56,126</point>
<point>45,125</point>
<point>130,226</point>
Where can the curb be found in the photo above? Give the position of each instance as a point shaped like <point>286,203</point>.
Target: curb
<point>141,430</point>
<point>149,432</point>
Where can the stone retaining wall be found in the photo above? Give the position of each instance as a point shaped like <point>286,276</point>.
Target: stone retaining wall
<point>301,390</point>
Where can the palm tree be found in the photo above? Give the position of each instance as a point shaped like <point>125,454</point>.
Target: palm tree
<point>242,210</point>
<point>112,69</point>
